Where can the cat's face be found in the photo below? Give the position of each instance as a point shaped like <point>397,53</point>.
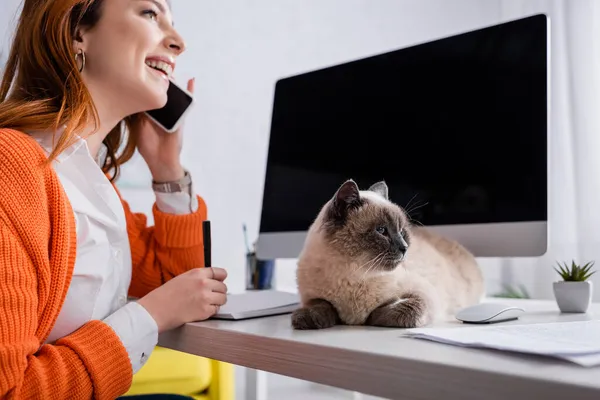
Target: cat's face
<point>366,226</point>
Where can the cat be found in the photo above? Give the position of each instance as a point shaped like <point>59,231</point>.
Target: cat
<point>364,263</point>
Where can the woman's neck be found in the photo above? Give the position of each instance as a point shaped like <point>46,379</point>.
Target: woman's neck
<point>107,120</point>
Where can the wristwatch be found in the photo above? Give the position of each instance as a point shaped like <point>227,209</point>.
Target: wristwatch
<point>181,185</point>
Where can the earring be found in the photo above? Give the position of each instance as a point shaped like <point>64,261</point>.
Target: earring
<point>82,54</point>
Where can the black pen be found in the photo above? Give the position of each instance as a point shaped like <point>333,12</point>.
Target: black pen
<point>207,245</point>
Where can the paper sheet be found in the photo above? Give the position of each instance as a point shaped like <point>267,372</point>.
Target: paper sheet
<point>578,341</point>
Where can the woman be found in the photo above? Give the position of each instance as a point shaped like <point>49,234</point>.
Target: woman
<point>71,251</point>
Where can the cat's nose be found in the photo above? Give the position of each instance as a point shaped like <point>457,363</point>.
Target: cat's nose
<point>399,245</point>
<point>403,246</point>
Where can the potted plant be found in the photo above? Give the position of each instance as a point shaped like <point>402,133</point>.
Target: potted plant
<point>574,293</point>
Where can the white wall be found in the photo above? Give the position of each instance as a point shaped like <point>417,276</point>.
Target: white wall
<point>9,13</point>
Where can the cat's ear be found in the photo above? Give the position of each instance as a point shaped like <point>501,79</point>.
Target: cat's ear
<point>348,193</point>
<point>380,188</point>
<point>346,197</point>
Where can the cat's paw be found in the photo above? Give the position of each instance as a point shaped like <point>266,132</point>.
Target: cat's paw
<point>408,312</point>
<point>319,314</point>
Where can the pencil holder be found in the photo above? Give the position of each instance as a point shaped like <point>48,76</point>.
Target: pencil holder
<point>259,273</point>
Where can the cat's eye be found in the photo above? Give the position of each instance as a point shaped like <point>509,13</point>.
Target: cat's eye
<point>381,230</point>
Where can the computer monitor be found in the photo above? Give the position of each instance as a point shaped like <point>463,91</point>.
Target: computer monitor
<point>456,127</point>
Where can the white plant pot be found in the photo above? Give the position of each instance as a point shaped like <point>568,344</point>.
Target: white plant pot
<point>573,297</point>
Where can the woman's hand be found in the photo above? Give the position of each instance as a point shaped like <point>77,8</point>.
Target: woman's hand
<point>160,149</point>
<point>192,296</point>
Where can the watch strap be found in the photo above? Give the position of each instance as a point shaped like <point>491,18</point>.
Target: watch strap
<point>180,185</point>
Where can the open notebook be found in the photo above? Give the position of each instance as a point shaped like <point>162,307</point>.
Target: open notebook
<point>259,303</point>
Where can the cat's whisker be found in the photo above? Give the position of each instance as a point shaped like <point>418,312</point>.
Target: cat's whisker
<point>378,259</point>
<point>366,271</point>
<point>381,260</point>
<point>361,266</point>
<point>355,305</point>
<point>416,207</point>
<point>413,221</point>
<point>358,266</point>
<point>410,201</point>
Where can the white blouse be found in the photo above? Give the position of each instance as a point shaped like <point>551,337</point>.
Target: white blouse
<point>102,272</point>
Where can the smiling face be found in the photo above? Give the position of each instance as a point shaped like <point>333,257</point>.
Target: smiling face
<point>130,53</point>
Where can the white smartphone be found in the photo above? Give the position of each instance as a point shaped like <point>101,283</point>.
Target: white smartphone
<point>179,102</point>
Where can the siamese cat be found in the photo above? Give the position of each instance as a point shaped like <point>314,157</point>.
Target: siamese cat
<point>364,263</point>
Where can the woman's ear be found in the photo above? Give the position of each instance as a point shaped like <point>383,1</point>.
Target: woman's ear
<point>79,49</point>
<point>79,40</point>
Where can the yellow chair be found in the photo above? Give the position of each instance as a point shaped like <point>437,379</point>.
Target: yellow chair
<point>174,372</point>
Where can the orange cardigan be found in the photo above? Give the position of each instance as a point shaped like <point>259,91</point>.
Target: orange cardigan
<point>37,255</point>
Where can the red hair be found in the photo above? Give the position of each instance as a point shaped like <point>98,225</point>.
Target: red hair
<point>47,89</point>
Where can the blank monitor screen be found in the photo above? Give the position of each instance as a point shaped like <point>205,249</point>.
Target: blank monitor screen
<point>457,127</point>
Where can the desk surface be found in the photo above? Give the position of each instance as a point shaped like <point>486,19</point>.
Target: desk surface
<point>379,362</point>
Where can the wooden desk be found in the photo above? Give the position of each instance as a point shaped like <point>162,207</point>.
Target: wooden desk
<point>377,361</point>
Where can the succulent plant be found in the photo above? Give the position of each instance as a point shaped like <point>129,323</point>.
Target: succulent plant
<point>575,273</point>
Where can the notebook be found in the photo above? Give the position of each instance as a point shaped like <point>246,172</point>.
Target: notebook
<point>259,303</point>
<point>577,341</point>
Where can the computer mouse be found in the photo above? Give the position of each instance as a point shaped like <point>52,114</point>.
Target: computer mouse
<point>485,313</point>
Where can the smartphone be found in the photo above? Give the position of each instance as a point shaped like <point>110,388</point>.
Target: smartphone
<point>179,102</point>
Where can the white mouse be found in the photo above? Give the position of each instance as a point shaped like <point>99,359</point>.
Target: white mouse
<point>484,313</point>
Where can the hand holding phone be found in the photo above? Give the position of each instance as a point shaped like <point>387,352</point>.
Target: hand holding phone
<point>179,102</point>
<point>160,134</point>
